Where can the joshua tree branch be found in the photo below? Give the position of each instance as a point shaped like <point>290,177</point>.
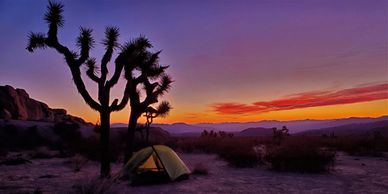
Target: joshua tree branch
<point>85,42</point>
<point>124,101</point>
<point>52,41</point>
<point>92,76</point>
<point>82,89</point>
<point>116,76</point>
<point>151,97</point>
<point>110,41</point>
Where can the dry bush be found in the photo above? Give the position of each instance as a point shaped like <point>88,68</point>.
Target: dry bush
<point>37,191</point>
<point>43,152</point>
<point>3,152</point>
<point>200,169</point>
<point>14,161</point>
<point>93,186</point>
<point>77,162</point>
<point>239,155</point>
<point>300,156</point>
<point>238,152</point>
<point>88,147</point>
<point>367,145</point>
<point>15,138</point>
<point>372,144</point>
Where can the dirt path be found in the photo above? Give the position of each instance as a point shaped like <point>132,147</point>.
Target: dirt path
<point>350,175</point>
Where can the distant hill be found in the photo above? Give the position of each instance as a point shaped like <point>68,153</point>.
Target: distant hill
<point>351,129</point>
<point>258,131</point>
<point>156,133</point>
<point>175,128</point>
<point>297,126</point>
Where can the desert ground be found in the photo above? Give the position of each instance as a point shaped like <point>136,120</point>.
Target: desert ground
<point>350,174</point>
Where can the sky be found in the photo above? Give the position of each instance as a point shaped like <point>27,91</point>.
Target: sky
<point>231,61</point>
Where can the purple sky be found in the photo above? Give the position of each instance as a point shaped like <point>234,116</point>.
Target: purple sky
<point>219,51</point>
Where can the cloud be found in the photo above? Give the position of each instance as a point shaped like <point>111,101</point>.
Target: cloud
<point>364,93</point>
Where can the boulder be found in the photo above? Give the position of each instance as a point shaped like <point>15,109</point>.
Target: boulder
<point>16,104</point>
<point>5,114</point>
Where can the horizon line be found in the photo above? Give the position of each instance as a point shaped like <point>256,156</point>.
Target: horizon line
<point>261,121</point>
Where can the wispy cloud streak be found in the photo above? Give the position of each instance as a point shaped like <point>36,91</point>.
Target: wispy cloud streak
<point>308,99</point>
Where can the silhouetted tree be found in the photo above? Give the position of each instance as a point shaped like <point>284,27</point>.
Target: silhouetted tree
<point>204,133</point>
<point>279,134</point>
<point>161,111</point>
<point>148,81</point>
<point>75,61</point>
<point>150,114</point>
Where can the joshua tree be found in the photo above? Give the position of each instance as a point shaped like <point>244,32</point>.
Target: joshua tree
<point>76,60</point>
<point>153,82</point>
<point>279,134</point>
<point>162,110</point>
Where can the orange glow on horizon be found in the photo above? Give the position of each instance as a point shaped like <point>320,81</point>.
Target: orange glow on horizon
<point>364,109</point>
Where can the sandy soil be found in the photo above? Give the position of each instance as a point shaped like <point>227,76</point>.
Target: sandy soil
<point>350,175</point>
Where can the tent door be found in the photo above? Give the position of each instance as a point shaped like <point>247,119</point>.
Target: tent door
<point>151,164</point>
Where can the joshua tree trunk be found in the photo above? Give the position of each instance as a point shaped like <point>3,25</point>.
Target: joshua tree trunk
<point>104,143</point>
<point>131,135</point>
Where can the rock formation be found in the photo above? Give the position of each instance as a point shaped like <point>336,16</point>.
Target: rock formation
<point>16,104</point>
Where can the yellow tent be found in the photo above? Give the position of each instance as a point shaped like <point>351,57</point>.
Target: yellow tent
<point>158,158</point>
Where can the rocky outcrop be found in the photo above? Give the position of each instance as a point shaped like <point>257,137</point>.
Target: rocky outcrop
<point>16,104</point>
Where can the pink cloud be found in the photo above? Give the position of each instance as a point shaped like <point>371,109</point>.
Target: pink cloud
<point>308,99</point>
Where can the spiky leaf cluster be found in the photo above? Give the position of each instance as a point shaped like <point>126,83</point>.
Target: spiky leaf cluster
<point>36,40</point>
<point>163,109</point>
<point>53,15</point>
<point>111,36</point>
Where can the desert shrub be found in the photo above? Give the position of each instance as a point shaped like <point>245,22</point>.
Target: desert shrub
<point>72,142</point>
<point>93,186</point>
<point>8,136</point>
<point>14,138</point>
<point>369,144</point>
<point>89,148</point>
<point>364,146</point>
<point>300,157</point>
<point>43,153</point>
<point>238,152</point>
<point>77,162</point>
<point>200,169</point>
<point>37,191</point>
<point>3,152</point>
<point>67,131</point>
<point>17,160</point>
<point>31,138</point>
<point>240,157</point>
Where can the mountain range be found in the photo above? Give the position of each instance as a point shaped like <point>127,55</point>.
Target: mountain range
<point>16,105</point>
<point>296,126</point>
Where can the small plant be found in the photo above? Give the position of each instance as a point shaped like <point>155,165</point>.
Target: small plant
<point>200,169</point>
<point>240,157</point>
<point>15,161</point>
<point>37,191</point>
<point>238,152</point>
<point>77,162</point>
<point>94,186</point>
<point>42,153</point>
<point>300,157</point>
<point>370,145</point>
<point>3,152</point>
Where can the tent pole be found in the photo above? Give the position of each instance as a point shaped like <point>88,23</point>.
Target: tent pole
<point>159,158</point>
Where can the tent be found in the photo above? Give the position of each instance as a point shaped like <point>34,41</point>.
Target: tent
<point>155,163</point>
